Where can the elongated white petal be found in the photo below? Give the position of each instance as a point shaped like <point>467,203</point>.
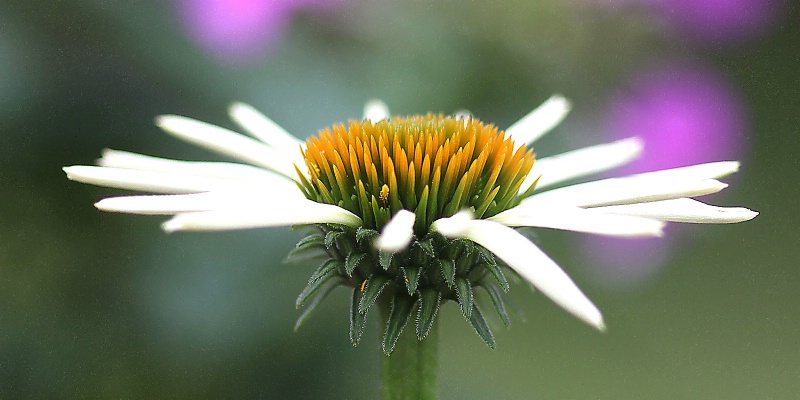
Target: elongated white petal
<point>540,121</point>
<point>376,110</point>
<point>626,190</point>
<point>148,181</point>
<point>712,170</point>
<point>301,212</point>
<point>233,171</point>
<point>227,142</point>
<point>397,233</point>
<point>582,162</point>
<point>194,202</point>
<point>531,263</point>
<point>683,210</point>
<point>580,220</point>
<point>266,130</point>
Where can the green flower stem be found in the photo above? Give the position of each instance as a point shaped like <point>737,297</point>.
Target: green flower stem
<point>409,373</point>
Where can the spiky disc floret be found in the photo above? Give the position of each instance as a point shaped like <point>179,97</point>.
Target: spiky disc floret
<point>433,166</point>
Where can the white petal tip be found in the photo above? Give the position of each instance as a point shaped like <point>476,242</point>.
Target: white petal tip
<point>453,226</point>
<point>397,234</point>
<point>238,107</point>
<point>559,102</point>
<point>601,326</point>
<point>636,143</point>
<point>746,215</point>
<point>376,110</point>
<point>167,122</point>
<point>102,205</point>
<point>172,225</point>
<point>76,172</point>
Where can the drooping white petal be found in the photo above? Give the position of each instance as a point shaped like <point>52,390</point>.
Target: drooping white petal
<point>530,263</point>
<point>376,110</point>
<point>627,190</point>
<point>683,210</point>
<point>582,162</point>
<point>397,233</point>
<point>301,212</point>
<point>579,220</point>
<point>148,181</point>
<point>227,142</point>
<point>233,171</point>
<point>266,130</point>
<point>194,202</point>
<point>540,121</point>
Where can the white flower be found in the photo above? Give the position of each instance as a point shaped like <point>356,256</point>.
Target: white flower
<point>263,191</point>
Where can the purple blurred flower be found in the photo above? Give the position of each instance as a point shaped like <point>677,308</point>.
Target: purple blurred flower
<point>687,115</point>
<point>709,21</point>
<point>241,31</point>
<point>719,20</point>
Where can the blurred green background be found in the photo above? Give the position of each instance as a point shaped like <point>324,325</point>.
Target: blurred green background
<point>96,305</point>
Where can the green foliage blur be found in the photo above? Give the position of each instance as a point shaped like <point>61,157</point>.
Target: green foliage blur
<point>97,305</point>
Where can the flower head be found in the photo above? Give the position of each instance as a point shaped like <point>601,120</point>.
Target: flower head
<point>412,211</point>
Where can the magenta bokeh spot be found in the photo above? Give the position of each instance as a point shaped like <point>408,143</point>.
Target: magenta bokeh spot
<point>686,115</point>
<point>241,31</point>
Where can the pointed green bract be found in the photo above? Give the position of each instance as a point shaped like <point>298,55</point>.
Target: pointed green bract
<point>330,266</point>
<point>357,319</point>
<point>411,278</point>
<point>385,259</point>
<point>432,266</point>
<point>429,302</point>
<point>317,298</point>
<point>330,238</point>
<point>352,262</point>
<point>448,269</point>
<point>464,296</point>
<point>497,300</point>
<point>310,244</point>
<point>481,327</point>
<point>313,287</point>
<point>494,269</point>
<point>398,318</point>
<point>372,289</point>
<point>427,246</point>
<point>364,235</point>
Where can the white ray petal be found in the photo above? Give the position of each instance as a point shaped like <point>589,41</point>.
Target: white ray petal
<point>376,110</point>
<point>227,142</point>
<point>194,202</point>
<point>530,263</point>
<point>234,171</point>
<point>580,220</point>
<point>301,212</point>
<point>397,233</point>
<point>148,181</point>
<point>540,121</point>
<point>266,130</point>
<point>625,190</point>
<point>582,162</point>
<point>683,210</point>
<point>712,170</point>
